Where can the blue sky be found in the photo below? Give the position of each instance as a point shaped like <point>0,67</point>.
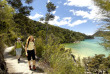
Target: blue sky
<point>77,15</point>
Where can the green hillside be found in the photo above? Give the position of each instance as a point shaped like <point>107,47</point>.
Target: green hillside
<point>25,26</point>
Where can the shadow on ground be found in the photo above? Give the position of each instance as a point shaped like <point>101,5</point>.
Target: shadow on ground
<point>38,70</point>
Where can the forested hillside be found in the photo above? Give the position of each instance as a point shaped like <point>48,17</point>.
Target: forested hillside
<point>101,33</point>
<point>25,26</point>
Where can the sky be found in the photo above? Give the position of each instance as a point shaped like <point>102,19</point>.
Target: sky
<point>76,15</point>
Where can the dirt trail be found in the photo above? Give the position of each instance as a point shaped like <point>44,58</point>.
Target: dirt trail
<point>22,67</point>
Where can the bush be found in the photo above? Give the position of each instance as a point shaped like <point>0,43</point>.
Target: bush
<point>56,57</point>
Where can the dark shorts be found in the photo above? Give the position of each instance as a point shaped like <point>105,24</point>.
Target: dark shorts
<point>30,53</point>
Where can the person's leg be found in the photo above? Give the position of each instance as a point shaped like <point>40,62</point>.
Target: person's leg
<point>17,54</point>
<point>29,59</point>
<point>17,57</point>
<point>20,51</point>
<point>34,62</point>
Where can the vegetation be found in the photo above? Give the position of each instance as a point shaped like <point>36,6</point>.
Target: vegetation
<point>100,33</point>
<point>50,7</point>
<point>52,53</point>
<point>6,15</point>
<point>59,60</point>
<point>15,23</point>
<point>104,6</point>
<point>97,64</point>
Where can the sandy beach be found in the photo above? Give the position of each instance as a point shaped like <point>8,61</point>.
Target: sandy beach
<point>75,53</point>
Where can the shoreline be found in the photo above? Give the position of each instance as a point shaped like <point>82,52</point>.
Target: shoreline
<point>74,52</point>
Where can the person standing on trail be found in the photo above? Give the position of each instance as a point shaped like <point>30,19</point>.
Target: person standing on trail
<point>18,48</point>
<point>30,51</point>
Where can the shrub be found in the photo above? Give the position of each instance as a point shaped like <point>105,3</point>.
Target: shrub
<point>56,57</point>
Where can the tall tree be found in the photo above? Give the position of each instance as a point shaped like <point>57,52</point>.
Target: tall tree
<point>49,16</point>
<point>20,8</point>
<point>20,17</point>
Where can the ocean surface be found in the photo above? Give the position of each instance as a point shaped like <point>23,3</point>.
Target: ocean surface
<point>88,47</point>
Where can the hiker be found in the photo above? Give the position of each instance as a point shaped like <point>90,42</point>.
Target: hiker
<point>18,48</point>
<point>30,51</point>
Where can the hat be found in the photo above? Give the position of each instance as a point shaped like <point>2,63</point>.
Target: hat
<point>18,38</point>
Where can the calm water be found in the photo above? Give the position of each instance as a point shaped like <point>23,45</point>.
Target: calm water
<point>89,47</point>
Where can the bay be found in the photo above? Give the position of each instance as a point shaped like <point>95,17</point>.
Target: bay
<point>88,47</point>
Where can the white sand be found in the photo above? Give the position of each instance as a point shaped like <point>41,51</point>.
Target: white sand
<point>14,67</point>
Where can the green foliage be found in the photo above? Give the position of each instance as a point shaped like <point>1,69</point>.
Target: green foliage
<point>50,7</point>
<point>56,57</point>
<point>3,68</point>
<point>28,1</point>
<point>96,64</point>
<point>104,6</point>
<point>20,9</point>
<point>100,33</point>
<point>6,16</point>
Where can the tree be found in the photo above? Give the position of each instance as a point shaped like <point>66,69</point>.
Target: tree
<point>21,22</point>
<point>6,16</point>
<point>20,9</point>
<point>104,6</point>
<point>50,7</point>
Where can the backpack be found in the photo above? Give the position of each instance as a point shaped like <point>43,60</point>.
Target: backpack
<point>19,45</point>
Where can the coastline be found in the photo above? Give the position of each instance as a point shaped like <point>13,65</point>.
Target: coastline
<point>74,52</point>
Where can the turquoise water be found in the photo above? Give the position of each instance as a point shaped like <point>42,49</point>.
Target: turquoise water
<point>88,47</point>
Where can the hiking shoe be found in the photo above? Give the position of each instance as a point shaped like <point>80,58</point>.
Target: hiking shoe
<point>19,59</point>
<point>34,68</point>
<point>30,67</point>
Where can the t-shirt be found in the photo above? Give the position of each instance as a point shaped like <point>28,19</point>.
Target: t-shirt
<point>18,44</point>
<point>31,46</point>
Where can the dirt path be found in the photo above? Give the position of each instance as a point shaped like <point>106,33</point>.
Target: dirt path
<point>22,67</point>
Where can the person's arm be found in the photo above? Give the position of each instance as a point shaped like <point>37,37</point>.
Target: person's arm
<point>15,45</point>
<point>26,49</point>
<point>23,45</point>
<point>35,49</point>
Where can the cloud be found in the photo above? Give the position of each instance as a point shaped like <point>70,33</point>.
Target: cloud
<point>36,16</point>
<point>57,6</point>
<point>48,1</point>
<point>79,3</point>
<point>59,2</point>
<point>93,12</point>
<point>53,12</point>
<point>57,21</point>
<point>66,21</point>
<point>77,23</point>
<point>92,15</point>
<point>89,33</point>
